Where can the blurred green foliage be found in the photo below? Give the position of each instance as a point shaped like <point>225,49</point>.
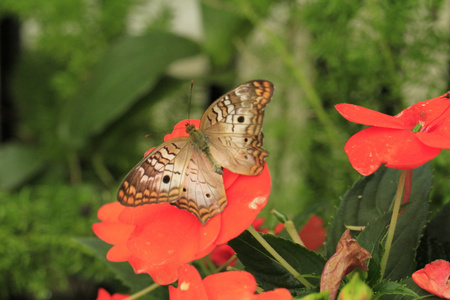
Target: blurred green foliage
<point>88,86</point>
<point>39,255</point>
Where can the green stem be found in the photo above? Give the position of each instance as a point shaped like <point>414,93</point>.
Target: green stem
<point>143,292</point>
<point>278,257</point>
<point>206,265</point>
<point>292,231</point>
<point>229,261</point>
<point>101,170</point>
<point>393,224</point>
<point>74,166</point>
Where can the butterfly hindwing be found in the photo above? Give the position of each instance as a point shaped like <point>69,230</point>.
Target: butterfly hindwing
<point>203,191</point>
<point>239,154</point>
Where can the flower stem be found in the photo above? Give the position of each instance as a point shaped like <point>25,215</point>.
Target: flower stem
<point>278,257</point>
<point>143,292</point>
<point>393,224</point>
<point>229,261</point>
<point>292,231</point>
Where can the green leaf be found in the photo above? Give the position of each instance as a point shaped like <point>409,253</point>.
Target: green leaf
<point>126,72</point>
<point>221,26</point>
<point>224,24</point>
<point>17,164</point>
<point>269,273</point>
<point>410,225</point>
<point>370,239</point>
<point>393,288</point>
<point>435,243</point>
<point>367,200</point>
<point>411,285</point>
<point>371,198</point>
<point>122,270</point>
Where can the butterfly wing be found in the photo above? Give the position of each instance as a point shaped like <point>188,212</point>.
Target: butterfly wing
<point>178,173</point>
<point>203,190</point>
<point>158,177</point>
<point>233,125</point>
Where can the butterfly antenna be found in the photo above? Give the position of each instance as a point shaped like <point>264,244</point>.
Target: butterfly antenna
<point>190,99</point>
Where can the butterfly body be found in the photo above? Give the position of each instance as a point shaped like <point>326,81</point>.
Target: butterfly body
<point>186,171</point>
<point>200,142</point>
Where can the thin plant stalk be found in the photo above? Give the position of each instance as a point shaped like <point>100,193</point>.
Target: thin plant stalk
<point>143,292</point>
<point>278,257</point>
<point>292,231</point>
<point>393,224</point>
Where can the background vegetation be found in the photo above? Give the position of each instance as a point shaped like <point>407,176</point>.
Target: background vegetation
<point>84,81</point>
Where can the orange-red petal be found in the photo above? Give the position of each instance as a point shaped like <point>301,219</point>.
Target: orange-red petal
<point>434,278</point>
<point>247,197</point>
<point>313,234</point>
<point>190,285</point>
<point>365,116</point>
<point>398,149</point>
<point>104,295</point>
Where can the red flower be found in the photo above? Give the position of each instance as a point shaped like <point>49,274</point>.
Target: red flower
<point>258,223</point>
<point>405,141</point>
<point>158,238</point>
<point>434,278</point>
<point>226,285</point>
<point>313,234</point>
<point>104,295</point>
<point>221,254</point>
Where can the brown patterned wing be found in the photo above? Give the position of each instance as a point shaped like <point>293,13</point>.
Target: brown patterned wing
<point>159,176</point>
<point>203,191</point>
<point>233,126</point>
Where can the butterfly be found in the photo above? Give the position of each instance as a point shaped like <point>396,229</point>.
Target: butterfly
<point>187,171</point>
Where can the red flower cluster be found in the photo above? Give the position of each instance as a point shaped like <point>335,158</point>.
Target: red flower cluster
<point>405,141</point>
<point>434,278</point>
<point>226,285</point>
<point>104,295</point>
<point>159,238</point>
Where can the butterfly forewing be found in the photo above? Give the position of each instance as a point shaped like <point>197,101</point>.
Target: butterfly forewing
<point>159,176</point>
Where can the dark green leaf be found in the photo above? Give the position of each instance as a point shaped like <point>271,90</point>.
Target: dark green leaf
<point>411,285</point>
<point>401,262</point>
<point>367,200</point>
<point>268,272</point>
<point>370,199</point>
<point>392,288</point>
<point>131,68</point>
<point>17,164</point>
<point>370,239</point>
<point>122,270</point>
<point>435,243</point>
